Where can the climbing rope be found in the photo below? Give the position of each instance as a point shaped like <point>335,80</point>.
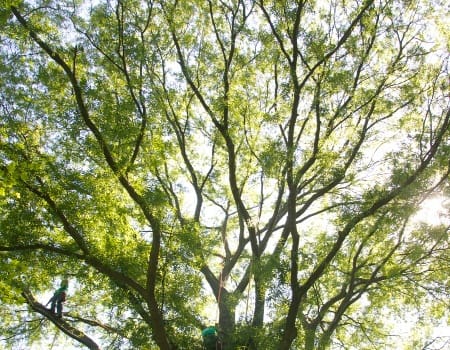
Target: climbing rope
<point>219,295</point>
<point>248,295</point>
<point>54,341</point>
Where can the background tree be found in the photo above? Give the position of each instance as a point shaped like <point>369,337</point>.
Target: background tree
<point>264,157</point>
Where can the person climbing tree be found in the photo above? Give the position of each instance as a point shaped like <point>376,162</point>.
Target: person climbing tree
<point>58,298</point>
<point>210,338</point>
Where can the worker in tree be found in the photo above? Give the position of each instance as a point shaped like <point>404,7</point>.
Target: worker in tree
<point>210,338</point>
<point>58,298</point>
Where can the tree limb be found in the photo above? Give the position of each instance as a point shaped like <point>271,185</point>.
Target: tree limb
<point>64,326</point>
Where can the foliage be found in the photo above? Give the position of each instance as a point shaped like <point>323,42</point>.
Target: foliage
<point>258,162</point>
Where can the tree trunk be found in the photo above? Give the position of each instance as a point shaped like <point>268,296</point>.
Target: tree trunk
<point>226,319</point>
<point>290,330</point>
<point>310,337</point>
<point>260,299</point>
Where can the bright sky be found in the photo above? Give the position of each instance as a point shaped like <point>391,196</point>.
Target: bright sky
<point>433,211</point>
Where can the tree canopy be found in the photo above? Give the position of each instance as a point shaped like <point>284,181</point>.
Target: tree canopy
<point>259,164</point>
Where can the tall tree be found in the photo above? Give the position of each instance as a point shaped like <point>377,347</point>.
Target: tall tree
<point>265,158</point>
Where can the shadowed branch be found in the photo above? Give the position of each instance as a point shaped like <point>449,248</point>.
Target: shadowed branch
<point>72,332</point>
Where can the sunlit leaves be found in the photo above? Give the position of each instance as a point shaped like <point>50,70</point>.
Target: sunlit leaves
<point>144,150</point>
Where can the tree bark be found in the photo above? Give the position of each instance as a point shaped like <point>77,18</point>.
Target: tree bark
<point>260,300</point>
<point>226,319</point>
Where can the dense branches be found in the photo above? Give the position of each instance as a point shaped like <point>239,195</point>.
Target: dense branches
<point>274,152</point>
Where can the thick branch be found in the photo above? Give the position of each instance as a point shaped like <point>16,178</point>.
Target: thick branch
<point>118,277</point>
<point>68,227</point>
<point>72,332</point>
<point>157,321</point>
<point>386,199</point>
<point>96,323</point>
<point>75,85</point>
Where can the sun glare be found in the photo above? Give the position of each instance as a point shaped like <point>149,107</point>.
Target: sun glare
<point>434,211</point>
